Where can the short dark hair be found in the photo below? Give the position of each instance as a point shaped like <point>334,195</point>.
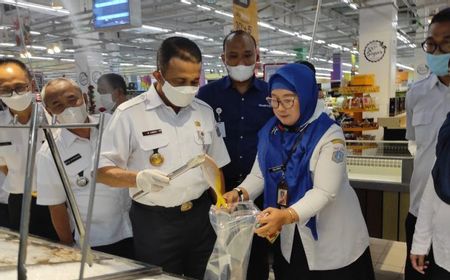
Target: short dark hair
<point>442,16</point>
<point>178,47</point>
<point>115,81</point>
<point>308,64</point>
<point>20,64</point>
<point>234,33</point>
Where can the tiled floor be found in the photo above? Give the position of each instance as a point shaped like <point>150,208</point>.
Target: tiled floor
<point>388,258</point>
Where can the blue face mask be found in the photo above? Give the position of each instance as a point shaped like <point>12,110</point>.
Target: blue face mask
<point>439,63</point>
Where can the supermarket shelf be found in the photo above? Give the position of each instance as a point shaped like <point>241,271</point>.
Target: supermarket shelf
<point>359,89</point>
<point>349,111</point>
<point>358,129</point>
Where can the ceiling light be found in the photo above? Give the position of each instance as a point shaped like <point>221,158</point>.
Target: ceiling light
<point>57,49</point>
<point>263,49</point>
<point>208,55</point>
<point>67,59</point>
<point>334,46</point>
<point>305,37</point>
<point>186,2</point>
<point>41,58</point>
<point>190,35</point>
<point>287,32</point>
<point>154,28</point>
<point>126,64</point>
<point>206,8</point>
<point>404,67</point>
<point>223,13</point>
<point>7,45</point>
<point>320,42</point>
<point>353,6</point>
<point>324,69</point>
<point>266,25</point>
<point>35,33</point>
<point>69,50</point>
<point>50,51</point>
<point>146,66</point>
<point>323,74</point>
<point>23,4</point>
<point>41,48</point>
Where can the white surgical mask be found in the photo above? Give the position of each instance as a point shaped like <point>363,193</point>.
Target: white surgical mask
<point>180,96</point>
<point>107,102</point>
<point>73,115</point>
<point>18,102</point>
<point>241,73</point>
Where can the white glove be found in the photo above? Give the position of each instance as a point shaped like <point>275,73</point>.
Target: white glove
<point>151,180</point>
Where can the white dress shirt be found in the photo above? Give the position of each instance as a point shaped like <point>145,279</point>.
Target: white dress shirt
<point>3,194</point>
<point>145,124</point>
<point>342,232</point>
<point>433,227</point>
<point>110,220</point>
<point>13,152</point>
<point>427,105</point>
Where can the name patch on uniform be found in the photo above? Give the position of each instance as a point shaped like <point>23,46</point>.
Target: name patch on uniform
<point>72,159</point>
<point>264,105</point>
<point>5,144</point>
<point>151,132</point>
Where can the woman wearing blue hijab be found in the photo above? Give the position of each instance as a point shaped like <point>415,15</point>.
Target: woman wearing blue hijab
<point>308,199</point>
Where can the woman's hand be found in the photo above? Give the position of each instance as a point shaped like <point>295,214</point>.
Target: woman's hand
<point>272,220</point>
<point>418,263</point>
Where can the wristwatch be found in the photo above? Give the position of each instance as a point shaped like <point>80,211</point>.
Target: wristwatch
<point>240,194</point>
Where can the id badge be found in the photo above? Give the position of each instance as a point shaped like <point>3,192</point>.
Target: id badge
<point>220,127</point>
<point>282,194</point>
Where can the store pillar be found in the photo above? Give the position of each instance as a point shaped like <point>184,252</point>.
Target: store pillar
<point>378,49</point>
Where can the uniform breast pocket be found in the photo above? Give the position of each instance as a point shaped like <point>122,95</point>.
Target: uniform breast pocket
<point>153,149</point>
<point>423,130</point>
<point>10,153</point>
<point>203,139</point>
<point>78,170</point>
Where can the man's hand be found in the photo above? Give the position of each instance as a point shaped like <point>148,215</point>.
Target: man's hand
<point>418,262</point>
<point>151,180</point>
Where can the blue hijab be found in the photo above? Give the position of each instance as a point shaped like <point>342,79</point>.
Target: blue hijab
<point>441,169</point>
<point>276,141</point>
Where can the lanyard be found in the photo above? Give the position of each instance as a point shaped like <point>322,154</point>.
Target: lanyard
<point>282,167</point>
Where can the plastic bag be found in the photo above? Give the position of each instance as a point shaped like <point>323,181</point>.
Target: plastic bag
<point>234,228</point>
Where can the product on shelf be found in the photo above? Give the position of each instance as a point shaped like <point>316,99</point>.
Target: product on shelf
<point>363,80</point>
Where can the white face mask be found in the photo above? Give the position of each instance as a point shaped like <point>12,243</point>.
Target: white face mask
<point>18,102</point>
<point>241,73</point>
<point>107,102</point>
<point>179,96</point>
<point>73,115</point>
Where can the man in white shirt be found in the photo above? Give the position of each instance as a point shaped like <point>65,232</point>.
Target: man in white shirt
<point>427,104</point>
<point>111,226</point>
<point>16,93</point>
<point>152,135</point>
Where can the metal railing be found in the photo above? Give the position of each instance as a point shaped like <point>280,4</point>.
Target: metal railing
<point>40,122</point>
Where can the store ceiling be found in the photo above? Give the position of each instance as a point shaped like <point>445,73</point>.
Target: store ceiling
<point>133,50</point>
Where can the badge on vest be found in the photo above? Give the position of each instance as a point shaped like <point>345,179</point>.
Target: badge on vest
<point>282,193</point>
<point>72,159</point>
<point>151,132</point>
<point>156,159</point>
<point>338,156</point>
<point>82,181</point>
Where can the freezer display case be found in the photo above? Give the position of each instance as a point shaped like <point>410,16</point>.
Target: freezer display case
<point>380,173</point>
<point>49,260</point>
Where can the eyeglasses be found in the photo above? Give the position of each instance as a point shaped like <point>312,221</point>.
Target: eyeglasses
<point>19,90</point>
<point>429,46</point>
<point>287,102</point>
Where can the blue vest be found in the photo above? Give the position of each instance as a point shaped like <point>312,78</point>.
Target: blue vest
<point>273,149</point>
